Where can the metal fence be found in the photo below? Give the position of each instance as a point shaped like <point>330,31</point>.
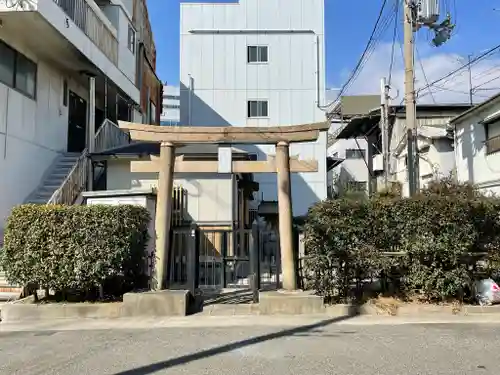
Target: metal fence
<point>87,20</point>
<point>213,258</point>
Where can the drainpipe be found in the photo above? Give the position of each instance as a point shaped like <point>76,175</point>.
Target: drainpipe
<point>190,101</point>
<point>318,68</point>
<point>91,132</point>
<point>105,97</point>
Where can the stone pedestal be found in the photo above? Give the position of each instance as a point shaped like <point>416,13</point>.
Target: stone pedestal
<point>157,303</point>
<point>290,303</point>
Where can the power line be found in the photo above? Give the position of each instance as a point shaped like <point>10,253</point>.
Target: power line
<point>453,72</point>
<point>394,37</point>
<point>363,55</point>
<point>423,72</point>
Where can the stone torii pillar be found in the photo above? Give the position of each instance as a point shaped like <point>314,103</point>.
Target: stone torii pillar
<point>285,216</point>
<point>168,136</point>
<point>164,206</point>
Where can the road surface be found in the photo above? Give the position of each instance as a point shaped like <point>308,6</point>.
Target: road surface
<point>324,348</point>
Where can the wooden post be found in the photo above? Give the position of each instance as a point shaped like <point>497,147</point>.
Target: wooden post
<point>285,216</point>
<point>164,205</point>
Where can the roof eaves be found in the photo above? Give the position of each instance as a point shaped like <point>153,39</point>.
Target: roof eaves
<point>475,109</point>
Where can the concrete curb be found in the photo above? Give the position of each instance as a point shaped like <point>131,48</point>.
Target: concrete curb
<point>148,304</point>
<point>164,304</point>
<point>237,321</point>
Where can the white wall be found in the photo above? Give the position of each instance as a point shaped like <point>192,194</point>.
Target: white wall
<point>214,40</point>
<point>350,169</point>
<point>473,164</point>
<point>209,197</point>
<point>32,132</point>
<point>437,162</point>
<point>126,58</point>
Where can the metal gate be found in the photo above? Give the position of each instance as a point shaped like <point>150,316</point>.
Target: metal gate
<point>214,258</point>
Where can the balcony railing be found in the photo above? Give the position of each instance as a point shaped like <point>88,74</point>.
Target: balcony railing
<point>493,144</point>
<point>87,20</point>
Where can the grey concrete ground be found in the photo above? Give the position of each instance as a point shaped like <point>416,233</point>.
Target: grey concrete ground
<point>305,345</point>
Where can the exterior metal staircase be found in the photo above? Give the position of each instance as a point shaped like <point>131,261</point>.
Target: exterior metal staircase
<point>67,178</point>
<point>55,178</point>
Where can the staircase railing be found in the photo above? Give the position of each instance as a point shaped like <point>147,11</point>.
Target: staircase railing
<point>107,137</point>
<point>110,136</point>
<point>73,184</point>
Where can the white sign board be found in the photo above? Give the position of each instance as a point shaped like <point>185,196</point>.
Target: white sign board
<point>225,164</point>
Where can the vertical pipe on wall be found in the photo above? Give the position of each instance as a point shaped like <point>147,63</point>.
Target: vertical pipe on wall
<point>91,131</point>
<point>190,101</point>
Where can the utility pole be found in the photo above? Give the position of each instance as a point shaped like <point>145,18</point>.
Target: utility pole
<point>411,117</point>
<point>384,118</point>
<point>418,13</point>
<point>471,90</point>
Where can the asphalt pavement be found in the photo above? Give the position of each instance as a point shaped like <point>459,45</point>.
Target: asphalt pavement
<point>321,347</point>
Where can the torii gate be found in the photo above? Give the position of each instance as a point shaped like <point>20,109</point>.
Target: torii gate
<point>167,164</point>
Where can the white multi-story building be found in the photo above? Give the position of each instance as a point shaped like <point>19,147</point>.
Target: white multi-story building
<point>48,51</point>
<point>171,106</point>
<point>477,145</point>
<point>258,63</point>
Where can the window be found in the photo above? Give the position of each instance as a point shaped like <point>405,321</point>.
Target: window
<point>7,64</point>
<point>355,154</point>
<point>131,39</point>
<point>171,97</point>
<point>65,93</point>
<point>356,185</point>
<point>17,71</point>
<point>257,54</point>
<point>424,150</point>
<point>171,106</point>
<point>492,130</point>
<point>257,108</point>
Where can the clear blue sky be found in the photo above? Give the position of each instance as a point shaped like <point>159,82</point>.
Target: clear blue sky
<point>348,26</point>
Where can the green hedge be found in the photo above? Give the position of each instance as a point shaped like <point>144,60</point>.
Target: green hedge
<point>429,244</point>
<point>75,247</point>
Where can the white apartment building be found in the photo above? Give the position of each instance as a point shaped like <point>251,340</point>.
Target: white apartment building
<point>258,63</point>
<point>360,165</point>
<point>435,145</point>
<point>171,108</point>
<point>477,145</point>
<point>48,51</point>
<point>352,172</point>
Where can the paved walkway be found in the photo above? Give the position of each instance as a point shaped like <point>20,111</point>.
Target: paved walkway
<point>204,321</point>
<point>249,346</point>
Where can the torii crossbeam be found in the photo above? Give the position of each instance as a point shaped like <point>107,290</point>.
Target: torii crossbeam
<point>282,164</point>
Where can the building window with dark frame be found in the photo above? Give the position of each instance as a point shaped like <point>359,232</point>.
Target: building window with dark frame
<point>355,153</point>
<point>257,108</point>
<point>131,39</point>
<point>257,54</point>
<point>492,142</point>
<point>356,186</point>
<point>17,71</point>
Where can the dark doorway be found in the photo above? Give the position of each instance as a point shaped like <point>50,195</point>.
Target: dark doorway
<point>123,109</point>
<point>77,123</point>
<point>99,118</point>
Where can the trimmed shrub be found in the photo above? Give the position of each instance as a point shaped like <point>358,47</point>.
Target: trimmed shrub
<point>437,239</point>
<point>75,247</point>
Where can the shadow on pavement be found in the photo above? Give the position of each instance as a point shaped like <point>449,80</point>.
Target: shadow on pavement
<point>154,367</point>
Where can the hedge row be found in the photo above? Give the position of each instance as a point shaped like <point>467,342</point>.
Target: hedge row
<point>75,247</point>
<point>436,240</point>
